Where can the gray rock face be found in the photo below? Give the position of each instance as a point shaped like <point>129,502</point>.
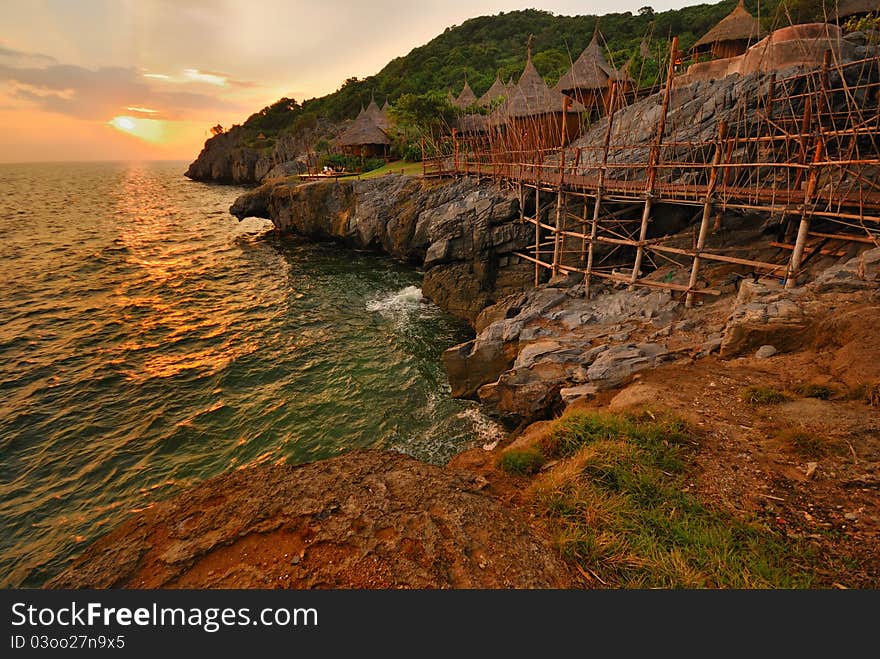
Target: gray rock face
<point>461,232</point>
<point>859,273</point>
<point>765,352</point>
<point>767,315</point>
<point>548,346</point>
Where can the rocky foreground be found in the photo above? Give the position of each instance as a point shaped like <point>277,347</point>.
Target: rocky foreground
<point>368,519</point>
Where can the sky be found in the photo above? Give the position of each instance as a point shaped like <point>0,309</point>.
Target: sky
<point>146,79</point>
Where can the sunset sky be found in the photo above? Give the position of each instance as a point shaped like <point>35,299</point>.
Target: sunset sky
<point>146,79</point>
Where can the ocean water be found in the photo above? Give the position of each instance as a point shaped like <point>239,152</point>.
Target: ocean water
<point>148,341</point>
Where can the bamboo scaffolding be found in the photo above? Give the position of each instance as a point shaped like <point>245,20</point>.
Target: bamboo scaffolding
<point>807,149</point>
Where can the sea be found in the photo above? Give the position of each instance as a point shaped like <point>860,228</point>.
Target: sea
<point>149,341</point>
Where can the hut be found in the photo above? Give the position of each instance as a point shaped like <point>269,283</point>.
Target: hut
<point>732,36</point>
<point>365,136</point>
<point>496,91</point>
<point>591,80</point>
<point>466,98</point>
<point>379,116</point>
<point>535,116</point>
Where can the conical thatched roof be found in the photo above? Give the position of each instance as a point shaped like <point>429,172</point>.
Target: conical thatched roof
<point>379,117</point>
<point>847,8</point>
<point>590,71</point>
<point>531,97</point>
<point>738,25</point>
<point>467,97</point>
<point>365,129</point>
<point>497,90</point>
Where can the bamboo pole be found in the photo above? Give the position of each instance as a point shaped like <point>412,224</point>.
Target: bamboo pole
<point>707,213</point>
<point>600,188</point>
<point>653,158</point>
<point>804,227</point>
<point>558,228</point>
<point>537,234</point>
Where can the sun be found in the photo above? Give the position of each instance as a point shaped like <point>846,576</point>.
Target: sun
<point>149,130</point>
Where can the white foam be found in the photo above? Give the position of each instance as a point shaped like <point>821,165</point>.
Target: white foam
<point>392,304</point>
<point>253,226</point>
<point>488,432</point>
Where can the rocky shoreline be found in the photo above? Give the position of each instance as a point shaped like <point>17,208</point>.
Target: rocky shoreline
<point>378,519</point>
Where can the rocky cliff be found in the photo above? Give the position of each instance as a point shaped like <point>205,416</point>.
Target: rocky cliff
<point>462,233</point>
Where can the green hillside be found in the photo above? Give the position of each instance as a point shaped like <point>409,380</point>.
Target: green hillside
<point>482,47</point>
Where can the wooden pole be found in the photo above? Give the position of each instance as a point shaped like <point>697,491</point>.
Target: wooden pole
<point>804,227</point>
<point>559,195</point>
<point>537,233</point>
<point>455,149</point>
<point>424,164</point>
<point>597,206</point>
<point>707,213</point>
<point>653,159</point>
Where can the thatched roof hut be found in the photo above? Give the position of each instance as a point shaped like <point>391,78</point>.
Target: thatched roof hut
<point>534,116</point>
<point>466,98</point>
<point>365,136</point>
<point>497,90</point>
<point>378,116</point>
<point>732,35</point>
<point>532,97</point>
<point>473,124</point>
<point>589,71</point>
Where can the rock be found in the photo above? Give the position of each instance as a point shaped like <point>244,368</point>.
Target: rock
<point>460,231</point>
<point>763,315</point>
<point>859,273</point>
<point>470,365</point>
<point>571,394</point>
<point>345,521</point>
<point>616,364</point>
<point>811,469</point>
<point>710,346</point>
<point>636,395</point>
<point>765,351</point>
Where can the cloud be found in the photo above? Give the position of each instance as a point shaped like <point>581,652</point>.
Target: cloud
<point>97,94</point>
<point>9,54</point>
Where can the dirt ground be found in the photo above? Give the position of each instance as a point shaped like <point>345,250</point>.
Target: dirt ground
<point>746,462</point>
<point>368,519</point>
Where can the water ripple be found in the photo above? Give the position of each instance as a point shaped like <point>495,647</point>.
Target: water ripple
<point>148,341</point>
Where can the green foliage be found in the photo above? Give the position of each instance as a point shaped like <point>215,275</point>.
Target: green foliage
<point>422,113</point>
<point>352,163</point>
<point>483,47</point>
<point>274,117</point>
<point>522,462</point>
<point>624,517</point>
<point>763,396</point>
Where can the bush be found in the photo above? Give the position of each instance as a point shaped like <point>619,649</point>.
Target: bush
<point>352,163</point>
<point>522,462</point>
<point>763,396</point>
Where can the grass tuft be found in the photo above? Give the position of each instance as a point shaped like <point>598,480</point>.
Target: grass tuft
<point>805,444</point>
<point>619,512</point>
<point>522,462</point>
<point>820,391</point>
<point>763,396</point>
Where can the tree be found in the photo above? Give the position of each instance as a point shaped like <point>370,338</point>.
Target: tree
<point>217,130</point>
<point>647,11</point>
